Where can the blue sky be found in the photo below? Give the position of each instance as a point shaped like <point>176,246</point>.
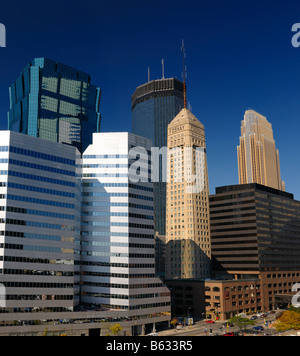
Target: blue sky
<point>239,56</point>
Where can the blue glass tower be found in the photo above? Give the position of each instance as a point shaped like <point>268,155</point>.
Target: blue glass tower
<point>55,102</point>
<point>154,105</point>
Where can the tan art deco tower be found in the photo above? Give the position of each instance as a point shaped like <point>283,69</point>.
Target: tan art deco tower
<point>258,158</point>
<point>188,244</point>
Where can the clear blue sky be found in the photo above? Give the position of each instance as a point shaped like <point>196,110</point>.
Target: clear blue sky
<point>239,56</point>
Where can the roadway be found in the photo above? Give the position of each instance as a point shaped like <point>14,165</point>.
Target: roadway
<point>201,328</point>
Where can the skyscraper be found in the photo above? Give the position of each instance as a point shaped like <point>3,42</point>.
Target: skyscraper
<point>118,262</point>
<point>39,224</point>
<point>154,106</point>
<point>258,158</point>
<point>188,250</point>
<point>55,102</point>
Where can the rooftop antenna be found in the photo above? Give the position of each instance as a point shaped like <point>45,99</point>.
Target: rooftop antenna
<point>148,74</point>
<point>184,74</point>
<point>163,68</point>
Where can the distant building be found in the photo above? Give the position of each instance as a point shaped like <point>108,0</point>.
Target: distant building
<point>258,158</point>
<point>154,106</point>
<point>55,102</point>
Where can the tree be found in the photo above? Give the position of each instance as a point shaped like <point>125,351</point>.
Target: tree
<point>174,322</point>
<point>116,329</point>
<point>290,320</point>
<point>241,322</point>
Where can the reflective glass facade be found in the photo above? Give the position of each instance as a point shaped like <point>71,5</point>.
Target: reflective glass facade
<point>117,236</point>
<point>55,102</point>
<point>40,197</point>
<point>154,106</point>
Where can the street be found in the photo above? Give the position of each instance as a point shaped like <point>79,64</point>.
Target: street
<point>201,328</point>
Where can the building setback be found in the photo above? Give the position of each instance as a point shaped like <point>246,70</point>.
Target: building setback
<point>55,102</point>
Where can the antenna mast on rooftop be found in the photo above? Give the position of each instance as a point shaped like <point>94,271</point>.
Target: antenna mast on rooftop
<point>163,68</point>
<point>184,75</point>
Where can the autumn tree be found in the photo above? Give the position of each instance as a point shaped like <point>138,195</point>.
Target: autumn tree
<point>174,322</point>
<point>116,329</point>
<point>289,320</point>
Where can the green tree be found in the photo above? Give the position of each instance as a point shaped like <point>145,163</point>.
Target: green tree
<point>242,323</point>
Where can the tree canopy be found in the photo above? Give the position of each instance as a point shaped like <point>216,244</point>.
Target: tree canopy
<point>289,320</point>
<point>242,323</point>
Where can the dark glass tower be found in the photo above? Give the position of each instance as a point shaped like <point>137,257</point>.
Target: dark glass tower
<point>154,105</point>
<point>55,102</point>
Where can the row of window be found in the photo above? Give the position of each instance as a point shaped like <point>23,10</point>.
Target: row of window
<point>40,178</point>
<point>31,223</point>
<point>116,244</point>
<point>40,190</point>
<point>30,272</point>
<point>40,201</point>
<point>39,167</point>
<point>65,262</point>
<point>36,248</point>
<point>36,212</point>
<point>86,184</point>
<point>116,254</point>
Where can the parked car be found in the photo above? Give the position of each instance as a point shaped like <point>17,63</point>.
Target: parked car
<point>229,334</point>
<point>258,328</point>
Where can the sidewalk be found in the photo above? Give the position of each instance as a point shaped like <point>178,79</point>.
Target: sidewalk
<point>186,329</point>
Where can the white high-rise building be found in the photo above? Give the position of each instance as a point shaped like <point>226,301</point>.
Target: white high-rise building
<point>39,224</point>
<point>117,238</point>
<point>76,232</point>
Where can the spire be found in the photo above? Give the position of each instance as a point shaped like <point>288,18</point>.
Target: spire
<point>184,74</point>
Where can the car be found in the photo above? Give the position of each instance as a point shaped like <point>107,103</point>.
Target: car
<point>210,322</point>
<point>258,328</point>
<point>254,317</point>
<point>153,334</point>
<point>229,334</point>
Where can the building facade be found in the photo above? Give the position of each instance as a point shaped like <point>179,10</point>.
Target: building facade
<point>154,106</point>
<point>258,158</point>
<point>188,250</point>
<point>118,261</point>
<point>39,224</point>
<point>255,234</point>
<point>55,102</point>
<point>215,299</point>
<point>77,239</point>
